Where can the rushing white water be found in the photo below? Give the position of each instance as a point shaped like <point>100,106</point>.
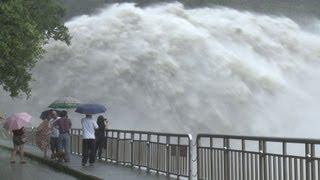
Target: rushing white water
<point>172,69</point>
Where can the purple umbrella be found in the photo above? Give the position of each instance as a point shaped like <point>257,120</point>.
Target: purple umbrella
<point>17,121</point>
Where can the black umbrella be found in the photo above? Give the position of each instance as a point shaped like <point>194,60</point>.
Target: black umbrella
<point>44,115</point>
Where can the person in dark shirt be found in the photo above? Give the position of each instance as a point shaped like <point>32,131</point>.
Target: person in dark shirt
<point>100,135</point>
<point>19,138</point>
<point>64,125</point>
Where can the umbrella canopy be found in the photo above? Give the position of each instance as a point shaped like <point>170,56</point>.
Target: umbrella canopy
<point>91,109</point>
<point>17,121</point>
<point>65,103</point>
<point>44,115</point>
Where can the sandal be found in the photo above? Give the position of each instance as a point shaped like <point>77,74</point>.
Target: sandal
<point>23,162</point>
<point>12,161</point>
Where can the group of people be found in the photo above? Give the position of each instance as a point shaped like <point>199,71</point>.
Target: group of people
<point>54,132</point>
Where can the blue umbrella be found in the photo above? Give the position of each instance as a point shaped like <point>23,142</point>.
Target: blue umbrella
<point>90,109</point>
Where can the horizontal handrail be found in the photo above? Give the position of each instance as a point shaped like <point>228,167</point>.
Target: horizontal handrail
<point>147,132</point>
<point>168,153</point>
<point>263,138</point>
<point>229,159</point>
<point>171,154</point>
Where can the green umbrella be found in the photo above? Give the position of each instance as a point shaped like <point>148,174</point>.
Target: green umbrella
<point>65,103</point>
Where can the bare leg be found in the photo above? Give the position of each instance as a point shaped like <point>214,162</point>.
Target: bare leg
<point>45,156</point>
<point>22,154</point>
<point>45,152</point>
<point>13,154</point>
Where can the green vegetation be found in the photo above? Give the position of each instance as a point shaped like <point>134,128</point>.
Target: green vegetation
<point>26,25</point>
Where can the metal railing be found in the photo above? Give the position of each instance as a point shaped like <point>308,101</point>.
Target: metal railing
<point>219,157</point>
<point>157,152</point>
<point>223,157</point>
<point>30,133</point>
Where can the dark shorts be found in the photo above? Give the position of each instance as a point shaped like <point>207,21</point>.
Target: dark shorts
<point>17,140</point>
<point>54,143</point>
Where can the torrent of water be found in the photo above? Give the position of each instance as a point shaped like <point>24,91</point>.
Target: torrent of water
<point>172,69</point>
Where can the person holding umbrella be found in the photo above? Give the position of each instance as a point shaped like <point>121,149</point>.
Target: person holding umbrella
<point>88,129</point>
<point>19,139</point>
<point>43,132</point>
<point>100,134</point>
<point>54,136</point>
<point>64,124</point>
<point>16,124</point>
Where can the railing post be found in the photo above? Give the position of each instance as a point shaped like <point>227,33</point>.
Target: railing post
<point>308,157</point>
<point>178,157</point>
<point>78,145</point>
<point>262,163</point>
<point>131,144</point>
<point>148,152</point>
<point>158,153</point>
<point>313,170</point>
<point>71,142</point>
<point>117,148</point>
<point>111,147</point>
<point>198,142</point>
<point>32,137</point>
<point>190,156</point>
<point>264,150</point>
<point>139,151</point>
<point>211,155</point>
<point>106,144</point>
<point>124,148</point>
<point>226,158</point>
<point>168,155</point>
<point>284,153</point>
<point>243,149</point>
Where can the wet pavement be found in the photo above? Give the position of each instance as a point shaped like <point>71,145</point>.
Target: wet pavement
<point>32,170</point>
<point>101,170</point>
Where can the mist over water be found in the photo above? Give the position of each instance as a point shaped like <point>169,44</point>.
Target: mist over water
<point>172,69</point>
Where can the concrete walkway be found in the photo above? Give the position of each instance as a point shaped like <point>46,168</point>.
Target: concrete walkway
<point>32,170</point>
<point>100,170</point>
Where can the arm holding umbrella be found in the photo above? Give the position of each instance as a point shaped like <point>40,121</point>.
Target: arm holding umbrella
<point>1,116</point>
<point>107,123</point>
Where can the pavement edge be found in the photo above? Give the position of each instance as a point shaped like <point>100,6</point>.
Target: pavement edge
<point>57,166</point>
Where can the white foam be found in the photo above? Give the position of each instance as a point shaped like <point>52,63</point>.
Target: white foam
<point>168,68</point>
